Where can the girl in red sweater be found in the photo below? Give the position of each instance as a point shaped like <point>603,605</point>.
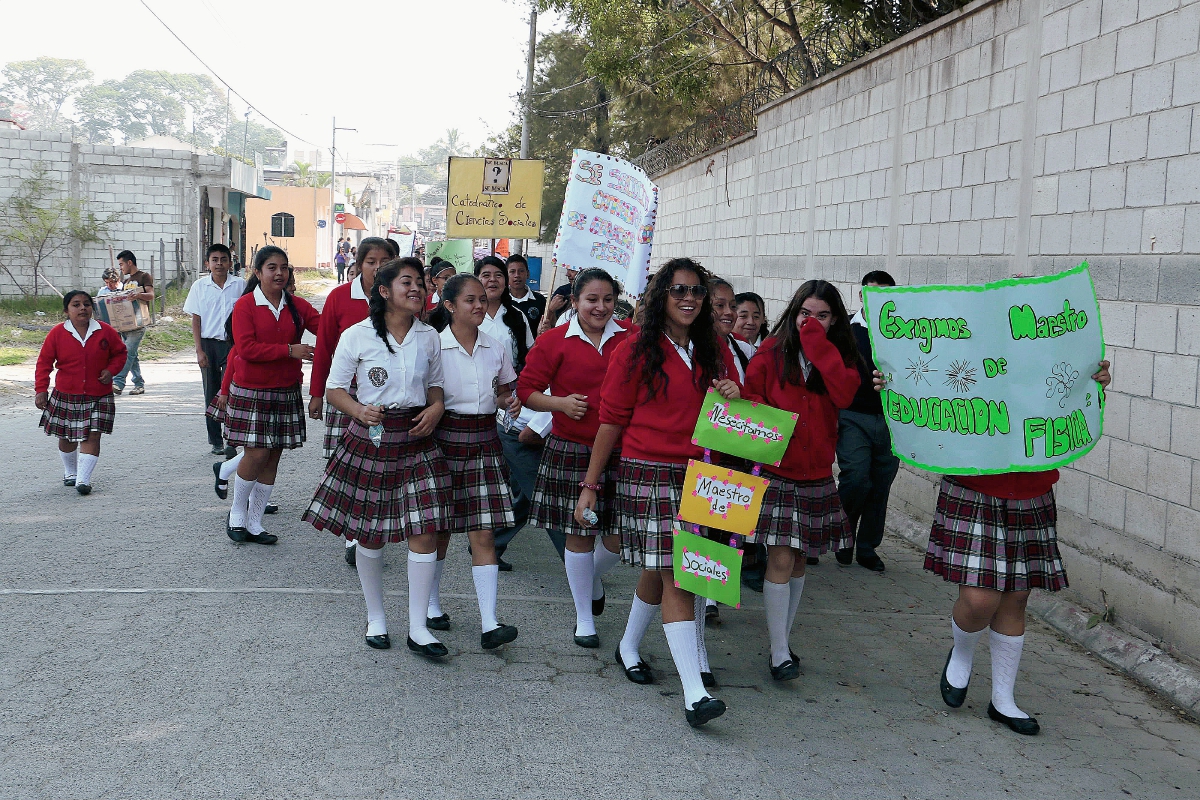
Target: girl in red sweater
<point>807,366</point>
<point>265,413</point>
<point>650,399</point>
<point>571,361</point>
<point>86,353</point>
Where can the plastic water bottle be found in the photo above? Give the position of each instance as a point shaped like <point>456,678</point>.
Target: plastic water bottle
<point>376,433</point>
<point>590,517</point>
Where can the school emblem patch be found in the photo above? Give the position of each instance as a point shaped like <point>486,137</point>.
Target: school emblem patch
<point>377,375</point>
<point>103,344</point>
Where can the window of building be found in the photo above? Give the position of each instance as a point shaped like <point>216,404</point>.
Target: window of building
<point>283,225</point>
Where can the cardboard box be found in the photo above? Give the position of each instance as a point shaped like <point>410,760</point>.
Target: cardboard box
<point>122,312</point>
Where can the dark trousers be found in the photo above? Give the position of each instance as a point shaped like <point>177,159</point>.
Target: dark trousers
<point>216,351</point>
<point>867,469</point>
<point>523,462</point>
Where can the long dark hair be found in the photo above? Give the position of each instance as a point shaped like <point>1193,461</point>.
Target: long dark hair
<point>371,243</point>
<point>378,304</point>
<point>260,258</point>
<point>788,349</point>
<point>647,349</point>
<point>512,316</point>
<point>590,274</point>
<point>440,318</point>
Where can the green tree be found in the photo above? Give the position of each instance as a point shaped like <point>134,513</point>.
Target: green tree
<point>38,89</point>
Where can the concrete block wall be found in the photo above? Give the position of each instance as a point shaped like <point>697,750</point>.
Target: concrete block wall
<point>1012,137</point>
<point>156,191</point>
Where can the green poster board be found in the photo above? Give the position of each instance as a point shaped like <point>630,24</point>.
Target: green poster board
<point>459,252</point>
<point>990,379</point>
<point>709,569</point>
<point>741,428</point>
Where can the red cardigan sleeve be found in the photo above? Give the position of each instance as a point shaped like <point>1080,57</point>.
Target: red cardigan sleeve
<point>45,360</point>
<point>327,335</point>
<point>230,369</point>
<point>311,317</point>
<point>117,351</point>
<point>246,335</point>
<point>840,381</point>
<point>758,372</point>
<point>540,365</point>
<point>618,393</point>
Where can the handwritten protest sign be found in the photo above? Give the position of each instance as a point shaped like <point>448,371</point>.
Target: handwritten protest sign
<point>476,206</point>
<point>721,497</point>
<point>709,569</point>
<point>456,251</point>
<point>607,219</point>
<point>742,428</point>
<point>993,378</point>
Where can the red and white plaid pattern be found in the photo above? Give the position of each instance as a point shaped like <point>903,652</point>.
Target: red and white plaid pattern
<point>385,493</point>
<point>74,416</point>
<point>214,413</point>
<point>336,423</point>
<point>563,467</point>
<point>803,515</point>
<point>481,498</point>
<point>648,495</point>
<point>995,543</point>
<point>270,418</point>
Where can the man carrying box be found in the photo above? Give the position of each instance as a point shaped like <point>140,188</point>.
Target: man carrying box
<point>140,286</point>
<point>210,302</point>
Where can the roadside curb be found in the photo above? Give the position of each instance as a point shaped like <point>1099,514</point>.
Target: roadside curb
<point>1153,667</point>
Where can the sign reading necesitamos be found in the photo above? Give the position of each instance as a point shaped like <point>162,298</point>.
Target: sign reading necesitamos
<point>494,198</point>
<point>993,378</point>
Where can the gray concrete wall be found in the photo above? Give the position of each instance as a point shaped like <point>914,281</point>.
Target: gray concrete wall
<point>1019,136</point>
<point>156,191</point>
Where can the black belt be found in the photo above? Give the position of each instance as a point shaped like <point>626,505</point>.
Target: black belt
<point>208,339</point>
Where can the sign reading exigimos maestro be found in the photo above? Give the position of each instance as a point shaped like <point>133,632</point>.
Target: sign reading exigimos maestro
<point>992,378</point>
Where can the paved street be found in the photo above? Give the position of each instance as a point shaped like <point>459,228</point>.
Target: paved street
<point>145,655</point>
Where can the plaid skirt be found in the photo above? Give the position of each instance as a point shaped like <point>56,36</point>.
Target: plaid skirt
<point>217,415</point>
<point>995,543</point>
<point>803,515</point>
<point>336,423</point>
<point>648,495</point>
<point>271,418</point>
<point>386,493</point>
<point>74,416</point>
<point>480,497</point>
<point>564,466</point>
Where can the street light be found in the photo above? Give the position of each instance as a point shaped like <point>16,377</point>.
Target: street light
<point>333,184</point>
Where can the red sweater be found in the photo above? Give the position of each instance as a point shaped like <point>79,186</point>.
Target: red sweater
<point>79,366</point>
<point>813,446</point>
<point>231,362</point>
<point>569,366</point>
<point>339,313</point>
<point>659,429</point>
<point>263,343</point>
<point>1011,485</point>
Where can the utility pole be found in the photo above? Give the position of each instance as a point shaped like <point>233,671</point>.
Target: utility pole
<point>528,99</point>
<point>333,185</point>
<point>246,134</point>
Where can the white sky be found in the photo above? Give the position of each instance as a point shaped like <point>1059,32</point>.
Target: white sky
<point>430,64</point>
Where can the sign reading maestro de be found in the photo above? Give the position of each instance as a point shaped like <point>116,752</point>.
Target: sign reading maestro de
<point>491,198</point>
<point>993,378</point>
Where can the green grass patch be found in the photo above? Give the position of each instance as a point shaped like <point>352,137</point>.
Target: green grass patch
<point>15,355</point>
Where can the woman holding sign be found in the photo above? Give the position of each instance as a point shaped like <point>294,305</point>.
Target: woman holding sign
<point>651,396</point>
<point>571,361</point>
<point>808,367</point>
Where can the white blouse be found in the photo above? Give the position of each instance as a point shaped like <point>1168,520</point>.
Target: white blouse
<point>495,328</point>
<point>398,379</point>
<point>746,348</point>
<point>473,380</point>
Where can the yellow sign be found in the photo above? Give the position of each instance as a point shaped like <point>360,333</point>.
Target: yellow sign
<point>721,498</point>
<point>476,210</point>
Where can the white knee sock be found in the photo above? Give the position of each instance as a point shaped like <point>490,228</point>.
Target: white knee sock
<point>370,575</point>
<point>241,500</point>
<point>1006,658</point>
<point>259,495</point>
<point>486,578</point>
<point>962,657</point>
<point>350,543</point>
<point>796,589</point>
<point>87,463</point>
<point>421,570</point>
<point>681,638</point>
<point>70,463</point>
<point>709,603</point>
<point>698,606</point>
<point>640,615</point>
<point>580,568</point>
<point>435,592</point>
<point>229,467</point>
<point>776,598</point>
<point>603,560</point>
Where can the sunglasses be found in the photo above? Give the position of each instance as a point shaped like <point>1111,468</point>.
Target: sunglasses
<point>682,290</point>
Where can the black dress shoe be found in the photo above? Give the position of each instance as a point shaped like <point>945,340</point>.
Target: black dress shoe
<point>497,636</point>
<point>83,488</point>
<point>871,562</point>
<point>230,452</point>
<point>261,538</point>
<point>270,508</point>
<point>441,623</point>
<point>787,671</point>
<point>219,486</point>
<point>953,696</point>
<point>707,709</point>
<point>431,650</point>
<point>237,534</point>
<point>68,481</point>
<point>591,641</point>
<point>503,565</point>
<point>812,561</point>
<point>218,450</point>
<point>350,556</point>
<point>845,556</point>
<point>709,680</point>
<point>639,673</point>
<point>598,606</point>
<point>380,642</point>
<point>1027,726</point>
<point>712,616</point>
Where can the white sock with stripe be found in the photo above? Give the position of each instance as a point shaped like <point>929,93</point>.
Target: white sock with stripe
<point>1006,658</point>
<point>241,501</point>
<point>259,495</point>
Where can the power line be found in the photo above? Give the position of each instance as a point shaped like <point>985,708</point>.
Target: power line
<point>222,80</point>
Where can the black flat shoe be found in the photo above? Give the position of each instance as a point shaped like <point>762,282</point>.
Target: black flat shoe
<point>431,650</point>
<point>707,709</point>
<point>591,641</point>
<point>230,452</point>
<point>845,556</point>
<point>441,623</point>
<point>872,562</point>
<point>712,616</point>
<point>270,508</point>
<point>503,565</point>
<point>1026,727</point>
<point>639,673</point>
<point>813,561</point>
<point>351,555</point>
<point>68,481</point>
<point>497,636</point>
<point>380,642</point>
<point>219,486</point>
<point>83,488</point>
<point>261,538</point>
<point>952,695</point>
<point>709,680</point>
<point>218,450</point>
<point>237,534</point>
<point>787,671</point>
<point>598,606</point>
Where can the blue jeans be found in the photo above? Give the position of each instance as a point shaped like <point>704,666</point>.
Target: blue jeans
<point>133,340</point>
<point>523,462</point>
<point>867,469</point>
